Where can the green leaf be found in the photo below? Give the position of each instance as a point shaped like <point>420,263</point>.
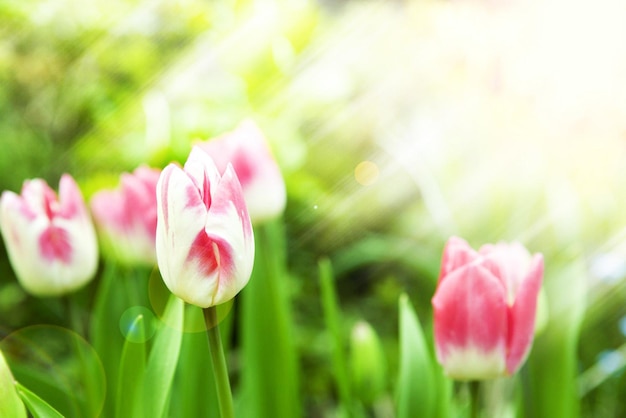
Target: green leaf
<point>10,403</point>
<point>163,359</point>
<point>131,372</point>
<point>417,385</point>
<point>269,379</point>
<point>551,387</point>
<point>106,338</point>
<point>37,406</point>
<point>333,325</point>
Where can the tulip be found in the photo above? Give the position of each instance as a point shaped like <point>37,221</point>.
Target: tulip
<point>204,240</point>
<point>50,240</point>
<point>126,218</point>
<point>261,180</point>
<point>484,309</point>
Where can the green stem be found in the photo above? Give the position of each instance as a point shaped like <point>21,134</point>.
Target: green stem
<point>220,371</point>
<point>474,392</point>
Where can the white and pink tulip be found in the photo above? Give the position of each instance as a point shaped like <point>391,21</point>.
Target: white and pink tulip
<point>50,239</point>
<point>261,180</point>
<point>484,309</point>
<point>204,240</point>
<point>126,218</point>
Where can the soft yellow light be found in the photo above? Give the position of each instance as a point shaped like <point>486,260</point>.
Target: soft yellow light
<point>366,173</point>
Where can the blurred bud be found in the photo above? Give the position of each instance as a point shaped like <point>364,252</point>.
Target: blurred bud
<point>51,240</point>
<point>10,403</point>
<point>204,241</point>
<point>367,363</point>
<point>484,309</point>
<point>126,218</point>
<point>261,180</point>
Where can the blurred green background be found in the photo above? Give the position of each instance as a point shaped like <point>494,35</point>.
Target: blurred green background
<point>492,120</point>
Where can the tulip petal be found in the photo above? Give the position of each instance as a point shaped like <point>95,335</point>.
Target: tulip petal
<point>228,222</point>
<point>508,262</point>
<point>457,253</point>
<point>181,215</point>
<point>470,323</point>
<point>203,172</point>
<point>522,316</point>
<point>54,244</point>
<point>70,198</point>
<point>259,175</point>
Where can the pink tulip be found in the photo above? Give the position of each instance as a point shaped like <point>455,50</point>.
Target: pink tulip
<point>261,180</point>
<point>204,241</point>
<point>127,217</point>
<point>50,240</point>
<point>484,308</point>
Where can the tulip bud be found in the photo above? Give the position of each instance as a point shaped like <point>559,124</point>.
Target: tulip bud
<point>261,180</point>
<point>484,308</point>
<point>367,361</point>
<point>204,240</point>
<point>50,240</point>
<point>126,218</point>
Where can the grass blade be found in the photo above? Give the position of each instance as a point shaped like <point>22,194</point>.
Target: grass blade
<point>37,406</point>
<point>163,359</point>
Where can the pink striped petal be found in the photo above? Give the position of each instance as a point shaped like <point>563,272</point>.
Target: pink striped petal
<point>54,244</point>
<point>259,175</point>
<point>470,314</point>
<point>457,253</point>
<point>508,262</point>
<point>71,202</point>
<point>522,316</point>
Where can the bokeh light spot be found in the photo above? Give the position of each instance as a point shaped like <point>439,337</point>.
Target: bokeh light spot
<point>366,173</point>
<point>128,324</point>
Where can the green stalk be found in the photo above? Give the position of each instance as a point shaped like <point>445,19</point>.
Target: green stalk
<point>474,394</point>
<point>220,371</point>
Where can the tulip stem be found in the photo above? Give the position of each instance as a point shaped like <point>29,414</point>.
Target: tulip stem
<point>474,392</point>
<point>220,371</point>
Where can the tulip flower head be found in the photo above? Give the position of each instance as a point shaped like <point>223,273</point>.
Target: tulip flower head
<point>50,240</point>
<point>126,218</point>
<point>204,241</point>
<point>484,309</point>
<point>261,180</point>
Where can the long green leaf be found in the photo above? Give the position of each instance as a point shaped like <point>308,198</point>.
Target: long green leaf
<point>333,325</point>
<point>415,396</point>
<point>163,359</point>
<point>550,380</point>
<point>270,380</point>
<point>10,403</point>
<point>37,406</point>
<point>132,369</point>
<point>106,338</point>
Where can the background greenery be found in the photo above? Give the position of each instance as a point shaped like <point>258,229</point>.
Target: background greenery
<point>492,120</point>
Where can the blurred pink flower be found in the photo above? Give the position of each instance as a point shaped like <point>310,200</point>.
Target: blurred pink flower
<point>50,240</point>
<point>261,180</point>
<point>484,308</point>
<point>126,218</point>
<point>204,241</point>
